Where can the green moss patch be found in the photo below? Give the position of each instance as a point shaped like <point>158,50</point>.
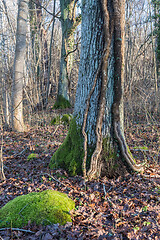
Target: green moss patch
<point>47,207</point>
<point>61,103</point>
<point>32,156</point>
<point>141,148</point>
<point>65,119</point>
<point>55,121</point>
<point>70,154</point>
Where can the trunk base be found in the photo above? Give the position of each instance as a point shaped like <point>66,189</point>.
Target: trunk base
<point>70,154</point>
<point>61,103</point>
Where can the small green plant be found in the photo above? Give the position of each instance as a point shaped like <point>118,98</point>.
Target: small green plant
<point>32,156</point>
<point>146,223</point>
<point>55,121</point>
<point>136,228</point>
<point>145,208</point>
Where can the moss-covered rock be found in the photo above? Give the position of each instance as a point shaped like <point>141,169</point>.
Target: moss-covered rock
<point>32,156</point>
<point>47,207</point>
<point>61,103</point>
<point>70,154</point>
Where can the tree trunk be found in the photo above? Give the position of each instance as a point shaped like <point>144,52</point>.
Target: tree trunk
<point>69,23</point>
<point>158,47</point>
<point>50,54</point>
<point>39,54</point>
<point>156,54</point>
<point>20,51</point>
<point>97,127</point>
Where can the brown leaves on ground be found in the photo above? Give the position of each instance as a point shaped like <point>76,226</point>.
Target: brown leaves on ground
<point>123,208</point>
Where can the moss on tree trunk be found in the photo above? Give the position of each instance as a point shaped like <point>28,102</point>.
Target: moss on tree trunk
<point>61,103</point>
<point>70,154</point>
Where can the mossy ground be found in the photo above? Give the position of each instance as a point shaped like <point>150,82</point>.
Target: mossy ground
<point>70,154</point>
<point>45,208</point>
<point>32,156</point>
<point>61,103</point>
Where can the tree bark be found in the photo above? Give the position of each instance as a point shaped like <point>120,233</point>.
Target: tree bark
<point>68,23</point>
<point>99,97</point>
<point>20,51</point>
<point>50,53</point>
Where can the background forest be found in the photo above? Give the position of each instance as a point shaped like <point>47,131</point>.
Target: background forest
<point>44,60</point>
<point>40,48</point>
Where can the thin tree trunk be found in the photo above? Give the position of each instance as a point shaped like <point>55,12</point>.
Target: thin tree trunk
<point>50,53</point>
<point>155,64</point>
<point>20,51</point>
<point>2,175</point>
<point>69,23</point>
<point>8,19</point>
<point>4,85</point>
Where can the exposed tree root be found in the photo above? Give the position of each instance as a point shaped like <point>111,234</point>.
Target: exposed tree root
<point>124,150</point>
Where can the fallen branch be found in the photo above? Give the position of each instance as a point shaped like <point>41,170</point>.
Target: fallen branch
<point>19,154</point>
<point>16,229</point>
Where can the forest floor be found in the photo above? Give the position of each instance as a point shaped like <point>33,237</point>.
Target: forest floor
<point>123,208</point>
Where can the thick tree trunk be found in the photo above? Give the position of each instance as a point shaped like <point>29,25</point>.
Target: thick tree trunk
<point>98,116</point>
<point>17,85</point>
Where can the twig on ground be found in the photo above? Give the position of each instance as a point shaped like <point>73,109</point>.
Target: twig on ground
<point>53,178</point>
<point>105,193</point>
<point>104,189</point>
<point>19,154</point>
<point>55,130</point>
<point>17,229</point>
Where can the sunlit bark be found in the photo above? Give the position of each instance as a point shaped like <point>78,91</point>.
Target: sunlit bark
<point>20,51</point>
<point>99,96</point>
